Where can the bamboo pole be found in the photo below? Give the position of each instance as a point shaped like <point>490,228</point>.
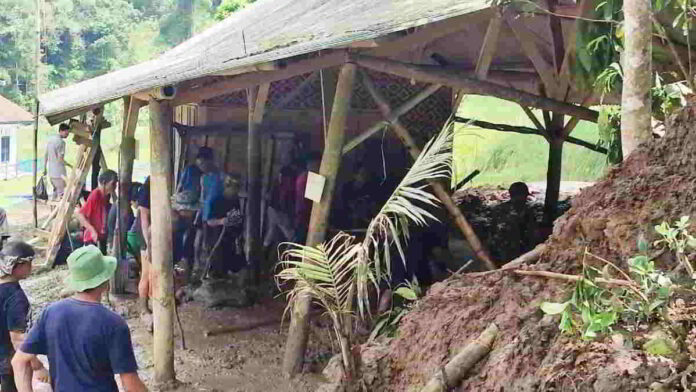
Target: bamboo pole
<point>330,164</point>
<point>454,371</point>
<point>36,162</point>
<point>161,241</point>
<point>438,188</point>
<point>458,80</point>
<point>257,106</point>
<point>131,109</point>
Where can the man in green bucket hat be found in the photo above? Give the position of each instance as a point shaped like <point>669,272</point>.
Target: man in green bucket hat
<point>86,343</point>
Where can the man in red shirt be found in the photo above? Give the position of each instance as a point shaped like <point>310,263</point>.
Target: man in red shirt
<point>92,215</point>
<point>303,206</point>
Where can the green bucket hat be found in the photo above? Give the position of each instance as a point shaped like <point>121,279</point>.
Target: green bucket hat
<point>89,268</point>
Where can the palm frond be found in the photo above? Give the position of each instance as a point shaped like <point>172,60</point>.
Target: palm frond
<point>407,202</point>
<point>326,272</point>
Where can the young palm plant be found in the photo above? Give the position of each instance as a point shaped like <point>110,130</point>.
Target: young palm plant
<point>339,273</point>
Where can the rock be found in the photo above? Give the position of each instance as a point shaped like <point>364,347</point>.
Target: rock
<point>660,343</point>
<point>334,369</point>
<point>223,292</point>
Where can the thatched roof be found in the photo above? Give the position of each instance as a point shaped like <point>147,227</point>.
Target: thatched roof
<point>10,112</point>
<point>270,30</point>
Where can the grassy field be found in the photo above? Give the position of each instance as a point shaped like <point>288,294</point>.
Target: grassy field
<point>502,158</point>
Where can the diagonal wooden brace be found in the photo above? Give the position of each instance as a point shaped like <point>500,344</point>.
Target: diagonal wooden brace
<point>438,188</point>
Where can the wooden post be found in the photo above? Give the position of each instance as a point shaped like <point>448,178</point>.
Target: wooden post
<point>36,161</point>
<point>330,164</point>
<point>438,188</point>
<point>257,106</point>
<point>131,108</point>
<point>555,137</point>
<point>161,241</point>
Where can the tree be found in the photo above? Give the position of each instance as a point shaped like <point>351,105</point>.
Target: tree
<point>637,79</point>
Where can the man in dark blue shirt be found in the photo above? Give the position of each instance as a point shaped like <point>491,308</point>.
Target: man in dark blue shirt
<point>15,265</point>
<point>86,343</point>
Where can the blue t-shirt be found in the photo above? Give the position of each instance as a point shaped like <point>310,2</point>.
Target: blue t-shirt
<point>86,344</point>
<point>14,316</point>
<point>213,190</point>
<point>191,179</point>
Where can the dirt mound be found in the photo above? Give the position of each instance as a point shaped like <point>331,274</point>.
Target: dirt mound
<point>655,184</point>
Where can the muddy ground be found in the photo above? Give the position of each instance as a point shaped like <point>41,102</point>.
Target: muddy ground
<point>246,361</point>
<point>655,184</point>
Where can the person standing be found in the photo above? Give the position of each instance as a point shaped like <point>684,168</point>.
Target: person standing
<point>280,207</point>
<point>93,215</point>
<point>54,161</point>
<point>144,285</point>
<point>86,343</point>
<point>15,265</point>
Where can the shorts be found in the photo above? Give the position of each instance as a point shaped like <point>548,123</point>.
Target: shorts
<point>134,243</point>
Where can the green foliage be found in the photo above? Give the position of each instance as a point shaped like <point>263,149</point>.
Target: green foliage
<point>598,303</point>
<point>599,44</point>
<point>609,128</point>
<point>228,7</point>
<point>678,240</point>
<point>403,300</point>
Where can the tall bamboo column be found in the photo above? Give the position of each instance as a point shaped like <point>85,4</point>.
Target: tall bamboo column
<point>318,222</point>
<point>161,240</point>
<point>257,105</point>
<point>131,107</point>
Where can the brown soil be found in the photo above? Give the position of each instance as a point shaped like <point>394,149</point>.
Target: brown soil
<point>654,184</point>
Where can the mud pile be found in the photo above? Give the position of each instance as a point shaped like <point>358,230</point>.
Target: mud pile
<point>655,184</point>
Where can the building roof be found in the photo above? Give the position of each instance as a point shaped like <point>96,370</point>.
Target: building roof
<point>10,112</point>
<point>267,31</point>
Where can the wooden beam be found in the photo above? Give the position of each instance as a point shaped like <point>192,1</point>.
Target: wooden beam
<point>161,241</point>
<point>439,190</point>
<point>528,131</point>
<point>533,118</point>
<point>574,121</point>
<point>318,223</point>
<point>489,45</point>
<point>257,108</point>
<point>393,116</point>
<point>455,79</point>
<point>564,74</point>
<point>253,79</point>
<point>527,41</point>
<point>557,40</point>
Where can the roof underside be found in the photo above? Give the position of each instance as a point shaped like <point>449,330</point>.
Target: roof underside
<point>10,112</point>
<point>270,30</point>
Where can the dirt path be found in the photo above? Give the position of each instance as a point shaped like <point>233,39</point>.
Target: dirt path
<point>248,361</point>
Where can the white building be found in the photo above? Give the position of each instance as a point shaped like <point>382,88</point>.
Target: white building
<point>12,118</point>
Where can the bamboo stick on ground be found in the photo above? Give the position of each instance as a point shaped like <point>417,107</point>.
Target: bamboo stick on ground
<point>455,370</point>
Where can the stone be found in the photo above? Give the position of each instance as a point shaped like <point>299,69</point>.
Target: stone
<point>223,292</point>
<point>660,343</point>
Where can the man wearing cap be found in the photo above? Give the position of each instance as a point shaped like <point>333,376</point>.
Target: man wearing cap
<point>515,226</point>
<point>15,265</point>
<point>86,343</point>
